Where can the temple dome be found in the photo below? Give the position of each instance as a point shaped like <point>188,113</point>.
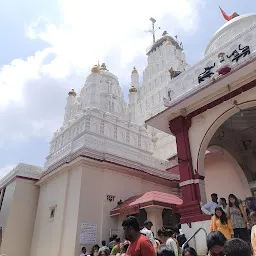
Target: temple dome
<point>229,30</point>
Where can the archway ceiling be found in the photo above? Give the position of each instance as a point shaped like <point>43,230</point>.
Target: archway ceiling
<point>238,136</point>
<point>243,122</point>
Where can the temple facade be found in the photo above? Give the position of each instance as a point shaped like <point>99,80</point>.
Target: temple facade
<point>211,112</point>
<point>185,133</point>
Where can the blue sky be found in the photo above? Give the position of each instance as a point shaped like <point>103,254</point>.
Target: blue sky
<point>48,47</point>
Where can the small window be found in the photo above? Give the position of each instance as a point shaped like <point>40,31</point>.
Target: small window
<point>52,212</point>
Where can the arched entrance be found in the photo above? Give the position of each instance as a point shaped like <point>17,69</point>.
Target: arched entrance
<point>227,154</point>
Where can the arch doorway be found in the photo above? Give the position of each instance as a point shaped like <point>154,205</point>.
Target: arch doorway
<point>230,158</point>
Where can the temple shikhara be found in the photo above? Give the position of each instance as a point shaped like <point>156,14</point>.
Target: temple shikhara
<point>185,133</point>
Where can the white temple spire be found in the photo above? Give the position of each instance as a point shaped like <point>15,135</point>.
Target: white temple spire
<point>70,106</point>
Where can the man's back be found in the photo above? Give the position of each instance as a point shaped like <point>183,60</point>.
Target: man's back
<point>149,234</point>
<point>141,247</point>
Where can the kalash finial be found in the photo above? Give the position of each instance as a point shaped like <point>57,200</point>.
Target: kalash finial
<point>132,89</point>
<point>72,93</point>
<point>96,69</point>
<point>134,71</point>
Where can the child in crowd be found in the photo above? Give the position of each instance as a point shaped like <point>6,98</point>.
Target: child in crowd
<point>164,250</point>
<point>189,251</point>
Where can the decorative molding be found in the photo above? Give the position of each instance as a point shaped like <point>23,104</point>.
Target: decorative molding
<point>103,157</point>
<point>22,170</point>
<point>192,181</point>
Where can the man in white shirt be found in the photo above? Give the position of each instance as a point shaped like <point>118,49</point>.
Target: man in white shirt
<point>148,233</point>
<point>210,207</point>
<point>83,252</point>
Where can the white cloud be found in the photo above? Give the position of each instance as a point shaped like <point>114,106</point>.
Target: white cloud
<point>6,169</point>
<point>33,91</point>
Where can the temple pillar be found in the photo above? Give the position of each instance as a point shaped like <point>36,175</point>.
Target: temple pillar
<point>190,181</point>
<point>154,214</point>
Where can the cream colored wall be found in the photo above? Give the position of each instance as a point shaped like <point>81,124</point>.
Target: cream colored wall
<point>58,236</point>
<point>81,197</point>
<point>47,233</point>
<point>70,232</point>
<point>7,203</point>
<point>94,207</point>
<point>17,236</point>
<point>224,176</point>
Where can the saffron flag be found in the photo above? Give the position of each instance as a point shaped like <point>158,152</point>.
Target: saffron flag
<point>226,17</point>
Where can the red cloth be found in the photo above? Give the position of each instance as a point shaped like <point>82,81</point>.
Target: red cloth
<point>141,247</point>
<point>226,17</point>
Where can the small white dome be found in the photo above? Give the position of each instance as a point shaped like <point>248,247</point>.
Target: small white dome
<point>229,30</point>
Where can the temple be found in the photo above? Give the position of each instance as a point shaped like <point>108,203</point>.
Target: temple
<point>185,133</point>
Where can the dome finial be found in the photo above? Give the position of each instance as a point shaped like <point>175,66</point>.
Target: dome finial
<point>132,89</point>
<point>96,69</point>
<point>72,93</point>
<point>134,71</point>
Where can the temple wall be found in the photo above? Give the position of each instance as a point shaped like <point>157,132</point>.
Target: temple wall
<point>98,182</point>
<point>21,218</point>
<point>224,176</point>
<point>7,203</point>
<point>80,196</point>
<point>47,232</point>
<point>165,147</point>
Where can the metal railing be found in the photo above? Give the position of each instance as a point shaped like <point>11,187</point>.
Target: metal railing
<point>186,243</point>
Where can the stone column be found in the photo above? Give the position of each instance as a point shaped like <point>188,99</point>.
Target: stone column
<point>154,214</point>
<point>189,181</point>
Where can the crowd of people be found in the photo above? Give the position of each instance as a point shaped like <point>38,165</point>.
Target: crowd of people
<point>232,233</point>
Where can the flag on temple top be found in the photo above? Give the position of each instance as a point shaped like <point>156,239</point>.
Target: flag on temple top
<point>226,17</point>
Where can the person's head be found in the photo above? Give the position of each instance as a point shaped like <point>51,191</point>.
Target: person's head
<point>148,224</point>
<point>131,228</point>
<point>104,252</point>
<point>249,202</point>
<point>223,201</point>
<point>221,215</point>
<point>254,194</point>
<point>83,250</point>
<point>164,234</point>
<point>114,237</point>
<point>237,247</point>
<point>215,243</point>
<point>253,217</point>
<point>163,250</point>
<point>189,252</point>
<point>117,240</point>
<point>95,250</point>
<point>176,231</point>
<point>173,233</point>
<point>103,243</point>
<point>233,201</point>
<point>214,197</point>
